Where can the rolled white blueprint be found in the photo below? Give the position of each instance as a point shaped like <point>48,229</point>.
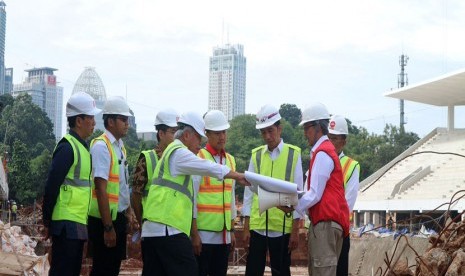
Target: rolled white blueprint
<point>270,184</point>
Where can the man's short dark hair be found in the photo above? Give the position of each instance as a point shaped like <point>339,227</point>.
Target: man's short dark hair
<point>72,120</point>
<point>161,127</point>
<point>108,116</point>
<point>277,123</point>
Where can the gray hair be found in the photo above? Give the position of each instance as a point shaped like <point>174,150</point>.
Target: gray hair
<point>178,134</point>
<point>324,126</point>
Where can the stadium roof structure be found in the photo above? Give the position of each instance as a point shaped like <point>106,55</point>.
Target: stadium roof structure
<point>430,172</point>
<point>446,90</point>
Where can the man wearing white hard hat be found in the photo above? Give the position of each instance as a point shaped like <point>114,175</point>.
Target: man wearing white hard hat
<point>67,190</point>
<point>338,132</point>
<point>275,231</point>
<point>215,208</point>
<point>168,210</point>
<point>324,199</point>
<point>110,190</point>
<point>166,124</point>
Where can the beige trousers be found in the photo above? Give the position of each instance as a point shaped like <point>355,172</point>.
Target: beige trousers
<point>324,246</point>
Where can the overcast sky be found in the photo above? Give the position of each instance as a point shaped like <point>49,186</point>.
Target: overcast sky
<point>344,54</point>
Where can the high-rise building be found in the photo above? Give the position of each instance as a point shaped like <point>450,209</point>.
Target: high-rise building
<point>227,80</point>
<point>41,84</point>
<point>91,83</point>
<point>8,80</point>
<point>2,46</point>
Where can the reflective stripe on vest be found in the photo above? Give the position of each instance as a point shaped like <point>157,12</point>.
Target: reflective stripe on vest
<point>348,167</point>
<point>74,196</point>
<point>283,168</point>
<point>112,183</point>
<point>150,163</point>
<point>170,198</point>
<point>214,198</point>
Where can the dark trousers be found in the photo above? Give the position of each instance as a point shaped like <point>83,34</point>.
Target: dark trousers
<point>169,255</point>
<point>343,261</point>
<point>280,258</point>
<point>66,256</point>
<point>107,260</point>
<point>213,259</point>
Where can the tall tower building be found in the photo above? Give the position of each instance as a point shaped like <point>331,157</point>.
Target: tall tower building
<point>2,46</point>
<point>89,82</point>
<point>41,84</point>
<point>8,80</point>
<point>227,80</point>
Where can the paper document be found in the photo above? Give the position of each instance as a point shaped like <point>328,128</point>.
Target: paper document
<point>271,184</point>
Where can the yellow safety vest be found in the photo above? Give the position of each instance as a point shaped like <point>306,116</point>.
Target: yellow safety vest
<point>348,167</point>
<point>74,196</point>
<point>112,184</point>
<point>151,160</point>
<point>282,168</point>
<point>170,198</point>
<point>214,198</point>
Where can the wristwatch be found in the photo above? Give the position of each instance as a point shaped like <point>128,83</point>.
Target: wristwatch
<point>108,227</point>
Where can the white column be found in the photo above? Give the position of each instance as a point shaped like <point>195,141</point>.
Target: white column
<point>450,118</point>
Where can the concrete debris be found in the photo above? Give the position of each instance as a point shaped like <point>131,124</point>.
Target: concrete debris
<point>445,255</point>
<point>434,262</point>
<point>17,255</point>
<point>401,269</point>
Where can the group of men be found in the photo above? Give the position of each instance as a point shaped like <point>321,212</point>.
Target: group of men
<point>183,195</point>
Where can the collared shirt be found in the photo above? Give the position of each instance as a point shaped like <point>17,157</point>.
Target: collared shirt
<point>140,174</point>
<point>321,171</point>
<point>351,188</point>
<point>101,166</point>
<point>210,237</point>
<point>248,193</point>
<point>63,159</point>
<point>183,162</point>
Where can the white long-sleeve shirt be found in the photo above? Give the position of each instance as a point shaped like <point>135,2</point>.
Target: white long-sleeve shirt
<point>351,188</point>
<point>101,166</point>
<point>248,193</point>
<point>210,237</point>
<point>321,171</point>
<point>183,162</point>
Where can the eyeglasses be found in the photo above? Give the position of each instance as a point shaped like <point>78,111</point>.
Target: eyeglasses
<point>307,127</point>
<point>123,119</point>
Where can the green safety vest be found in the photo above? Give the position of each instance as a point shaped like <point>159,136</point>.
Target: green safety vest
<point>282,168</point>
<point>214,198</point>
<point>151,160</point>
<point>348,167</point>
<point>74,196</point>
<point>170,198</point>
<point>112,184</point>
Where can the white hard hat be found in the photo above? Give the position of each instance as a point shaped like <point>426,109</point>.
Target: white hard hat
<point>81,103</point>
<point>215,120</point>
<point>338,125</point>
<point>167,117</point>
<point>314,112</point>
<point>116,105</point>
<point>267,116</point>
<point>194,120</point>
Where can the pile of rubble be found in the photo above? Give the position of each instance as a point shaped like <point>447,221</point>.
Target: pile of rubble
<point>18,253</point>
<point>444,256</point>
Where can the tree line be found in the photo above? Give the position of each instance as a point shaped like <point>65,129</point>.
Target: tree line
<point>27,142</point>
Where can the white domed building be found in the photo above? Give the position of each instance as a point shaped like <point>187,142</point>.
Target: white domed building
<point>90,82</point>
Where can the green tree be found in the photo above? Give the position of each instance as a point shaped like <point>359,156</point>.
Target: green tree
<point>26,122</point>
<point>291,113</point>
<point>20,177</point>
<point>39,170</point>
